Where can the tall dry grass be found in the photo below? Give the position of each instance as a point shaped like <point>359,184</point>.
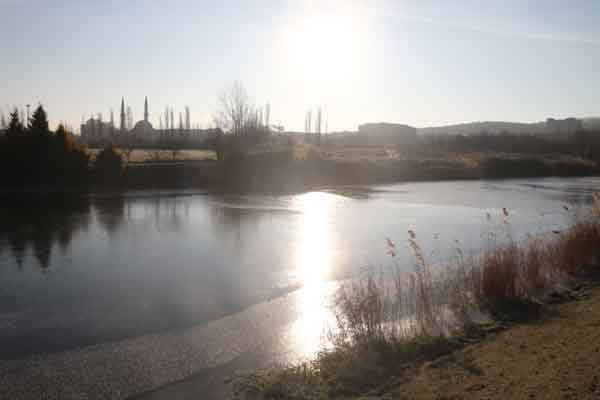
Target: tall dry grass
<point>388,318</point>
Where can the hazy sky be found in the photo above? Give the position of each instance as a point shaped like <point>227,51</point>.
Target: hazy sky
<point>417,62</point>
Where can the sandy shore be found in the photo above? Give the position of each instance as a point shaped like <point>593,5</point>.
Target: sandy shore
<point>554,357</point>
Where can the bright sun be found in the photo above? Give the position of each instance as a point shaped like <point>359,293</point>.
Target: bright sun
<point>322,47</point>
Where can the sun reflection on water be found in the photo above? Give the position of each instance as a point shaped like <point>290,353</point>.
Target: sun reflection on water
<point>313,257</point>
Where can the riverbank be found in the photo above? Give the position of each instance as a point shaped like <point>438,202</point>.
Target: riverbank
<point>281,172</point>
<point>392,333</point>
<point>555,356</point>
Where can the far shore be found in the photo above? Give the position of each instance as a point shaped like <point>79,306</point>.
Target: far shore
<point>277,173</point>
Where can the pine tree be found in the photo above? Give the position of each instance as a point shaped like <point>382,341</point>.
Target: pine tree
<point>15,127</point>
<point>39,124</point>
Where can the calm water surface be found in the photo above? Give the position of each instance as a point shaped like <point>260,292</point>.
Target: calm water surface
<point>96,270</point>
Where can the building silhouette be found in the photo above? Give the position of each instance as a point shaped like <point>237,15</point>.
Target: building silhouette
<point>97,133</point>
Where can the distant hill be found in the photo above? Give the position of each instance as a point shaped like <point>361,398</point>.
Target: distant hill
<point>591,123</point>
<point>470,128</point>
<point>485,126</point>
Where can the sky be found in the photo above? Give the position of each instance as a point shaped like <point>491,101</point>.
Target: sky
<point>421,62</point>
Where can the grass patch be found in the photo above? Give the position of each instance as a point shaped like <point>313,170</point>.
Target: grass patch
<point>348,370</point>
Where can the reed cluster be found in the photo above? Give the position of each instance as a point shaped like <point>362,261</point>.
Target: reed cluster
<point>388,318</point>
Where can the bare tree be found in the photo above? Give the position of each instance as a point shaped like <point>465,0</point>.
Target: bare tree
<point>187,118</point>
<point>167,117</point>
<point>129,118</point>
<point>318,123</point>
<point>308,122</point>
<point>172,119</point>
<point>112,124</point>
<point>235,111</point>
<point>268,116</point>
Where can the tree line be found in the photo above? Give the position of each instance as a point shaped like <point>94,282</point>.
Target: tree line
<point>33,156</point>
<point>582,143</point>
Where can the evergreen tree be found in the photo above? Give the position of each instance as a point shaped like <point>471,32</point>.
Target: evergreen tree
<point>39,127</point>
<point>15,127</point>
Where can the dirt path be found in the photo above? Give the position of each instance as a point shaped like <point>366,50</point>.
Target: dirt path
<point>557,357</point>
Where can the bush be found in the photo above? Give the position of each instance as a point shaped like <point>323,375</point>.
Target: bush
<point>108,167</point>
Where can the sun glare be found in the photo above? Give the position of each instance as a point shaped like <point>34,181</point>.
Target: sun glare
<point>313,256</point>
<point>313,263</point>
<point>322,47</point>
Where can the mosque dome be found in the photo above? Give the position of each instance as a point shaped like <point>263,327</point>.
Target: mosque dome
<point>143,126</point>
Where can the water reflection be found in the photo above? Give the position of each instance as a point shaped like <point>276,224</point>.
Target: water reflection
<point>314,256</point>
<point>40,225</point>
<point>110,213</point>
<point>169,213</point>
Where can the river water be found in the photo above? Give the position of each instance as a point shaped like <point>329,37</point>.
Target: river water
<point>106,272</point>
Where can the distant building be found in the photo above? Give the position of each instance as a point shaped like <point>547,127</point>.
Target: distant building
<point>97,133</point>
<point>387,134</point>
<point>563,128</point>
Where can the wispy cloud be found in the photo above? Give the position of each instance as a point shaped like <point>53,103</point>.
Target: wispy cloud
<point>513,33</point>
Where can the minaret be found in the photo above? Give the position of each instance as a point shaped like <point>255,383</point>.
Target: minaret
<point>146,109</point>
<point>123,126</point>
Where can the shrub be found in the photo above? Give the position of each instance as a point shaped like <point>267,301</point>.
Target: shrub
<point>496,167</point>
<point>108,166</point>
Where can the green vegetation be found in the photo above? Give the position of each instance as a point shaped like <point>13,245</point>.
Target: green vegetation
<point>388,324</point>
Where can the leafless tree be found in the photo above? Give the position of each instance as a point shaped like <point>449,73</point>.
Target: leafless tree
<point>308,122</point>
<point>112,124</point>
<point>187,118</point>
<point>172,119</point>
<point>167,117</point>
<point>129,118</point>
<point>318,124</point>
<point>235,110</point>
<point>268,116</point>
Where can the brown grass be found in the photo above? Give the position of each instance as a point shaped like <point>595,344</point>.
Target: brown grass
<point>389,318</point>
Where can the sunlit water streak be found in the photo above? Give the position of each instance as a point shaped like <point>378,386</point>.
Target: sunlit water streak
<point>313,257</point>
